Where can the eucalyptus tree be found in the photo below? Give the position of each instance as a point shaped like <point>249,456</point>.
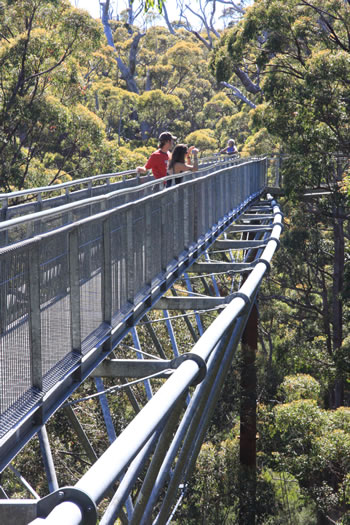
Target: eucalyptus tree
<point>297,54</point>
<point>43,47</point>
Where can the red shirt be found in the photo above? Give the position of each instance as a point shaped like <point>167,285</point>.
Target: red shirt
<point>158,163</point>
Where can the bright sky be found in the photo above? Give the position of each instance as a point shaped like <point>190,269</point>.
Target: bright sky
<point>93,7</point>
<point>90,5</point>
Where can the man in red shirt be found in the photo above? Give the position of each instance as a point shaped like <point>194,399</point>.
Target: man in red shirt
<point>159,160</point>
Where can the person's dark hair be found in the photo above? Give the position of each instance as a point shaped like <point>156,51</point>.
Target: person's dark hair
<point>178,154</point>
<point>165,137</point>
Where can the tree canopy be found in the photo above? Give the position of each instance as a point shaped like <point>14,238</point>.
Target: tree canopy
<point>80,96</point>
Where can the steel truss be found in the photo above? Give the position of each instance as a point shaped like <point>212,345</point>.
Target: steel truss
<point>143,473</point>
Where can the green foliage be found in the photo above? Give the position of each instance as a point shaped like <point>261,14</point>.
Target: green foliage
<point>288,504</point>
<point>203,139</point>
<point>221,61</point>
<point>113,105</point>
<point>151,3</point>
<point>219,105</point>
<point>167,107</point>
<point>234,126</point>
<point>300,386</point>
<point>311,444</point>
<point>40,50</point>
<point>57,73</point>
<point>212,497</point>
<point>129,159</point>
<point>259,143</point>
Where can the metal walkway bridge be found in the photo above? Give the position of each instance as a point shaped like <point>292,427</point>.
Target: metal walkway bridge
<point>89,271</point>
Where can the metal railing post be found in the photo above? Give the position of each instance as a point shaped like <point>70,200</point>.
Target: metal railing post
<point>74,289</point>
<point>106,296</point>
<point>34,315</point>
<point>130,256</point>
<point>48,460</point>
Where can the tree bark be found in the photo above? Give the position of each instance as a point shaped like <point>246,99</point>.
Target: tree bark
<point>247,443</point>
<point>247,453</point>
<point>337,310</point>
<point>127,72</point>
<point>238,93</point>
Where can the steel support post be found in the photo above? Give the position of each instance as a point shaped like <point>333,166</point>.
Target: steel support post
<point>109,424</point>
<point>154,337</point>
<point>171,333</point>
<point>147,383</point>
<point>195,435</point>
<point>84,440</point>
<point>47,459</point>
<point>158,457</point>
<point>24,483</point>
<point>105,410</point>
<point>213,280</point>
<point>115,506</point>
<point>205,284</point>
<point>133,401</point>
<point>187,428</point>
<point>186,319</point>
<point>197,316</point>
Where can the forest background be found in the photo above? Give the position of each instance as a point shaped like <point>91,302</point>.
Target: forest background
<point>80,96</point>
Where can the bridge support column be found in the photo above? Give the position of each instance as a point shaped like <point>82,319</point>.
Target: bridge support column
<point>247,477</point>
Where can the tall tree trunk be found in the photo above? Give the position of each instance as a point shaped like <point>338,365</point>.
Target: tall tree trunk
<point>126,72</point>
<point>247,452</point>
<point>338,281</point>
<point>247,442</point>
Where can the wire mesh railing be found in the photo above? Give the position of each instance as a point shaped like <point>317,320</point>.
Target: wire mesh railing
<point>64,294</point>
<point>155,453</point>
<point>72,201</point>
<point>26,201</point>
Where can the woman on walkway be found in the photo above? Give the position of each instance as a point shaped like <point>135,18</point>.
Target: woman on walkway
<point>181,161</point>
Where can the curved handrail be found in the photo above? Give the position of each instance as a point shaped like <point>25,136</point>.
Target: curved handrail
<point>142,188</point>
<point>125,448</point>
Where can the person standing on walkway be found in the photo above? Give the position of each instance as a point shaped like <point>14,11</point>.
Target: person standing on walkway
<point>181,161</point>
<point>159,160</point>
<point>230,148</point>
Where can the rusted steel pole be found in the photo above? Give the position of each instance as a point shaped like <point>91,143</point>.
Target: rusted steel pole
<point>247,453</point>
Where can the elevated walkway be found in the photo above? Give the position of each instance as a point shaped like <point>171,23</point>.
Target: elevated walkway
<point>72,292</point>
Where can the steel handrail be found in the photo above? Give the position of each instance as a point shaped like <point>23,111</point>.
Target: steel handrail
<point>38,191</point>
<point>117,457</point>
<point>74,206</point>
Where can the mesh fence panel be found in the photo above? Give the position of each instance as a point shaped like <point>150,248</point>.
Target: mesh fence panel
<point>139,247</point>
<point>145,237</point>
<point>15,365</point>
<point>156,231</point>
<point>54,301</point>
<point>118,266</point>
<point>90,264</point>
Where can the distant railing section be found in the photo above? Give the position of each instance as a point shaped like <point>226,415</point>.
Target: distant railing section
<point>27,219</point>
<point>21,202</point>
<point>64,292</point>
